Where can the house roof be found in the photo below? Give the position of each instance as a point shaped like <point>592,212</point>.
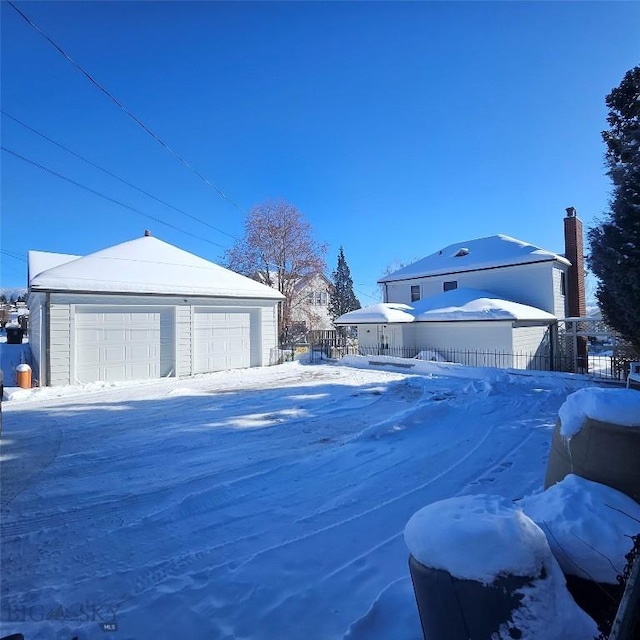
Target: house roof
<point>471,255</point>
<point>456,305</point>
<point>148,265</point>
<point>381,313</point>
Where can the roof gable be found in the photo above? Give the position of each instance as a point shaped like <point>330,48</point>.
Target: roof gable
<point>471,255</point>
<point>149,265</point>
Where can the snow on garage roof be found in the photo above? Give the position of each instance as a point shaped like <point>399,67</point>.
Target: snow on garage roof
<point>482,253</point>
<point>456,305</point>
<point>40,261</point>
<point>149,265</point>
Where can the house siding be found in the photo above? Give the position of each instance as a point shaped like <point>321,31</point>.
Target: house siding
<point>533,343</point>
<point>315,316</point>
<point>60,343</point>
<point>36,335</point>
<point>527,284</point>
<point>269,318</point>
<point>184,340</point>
<point>559,299</point>
<point>469,343</point>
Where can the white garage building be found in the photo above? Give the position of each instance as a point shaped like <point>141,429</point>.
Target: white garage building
<point>144,309</point>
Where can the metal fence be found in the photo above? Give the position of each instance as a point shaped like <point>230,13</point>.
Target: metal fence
<point>606,366</point>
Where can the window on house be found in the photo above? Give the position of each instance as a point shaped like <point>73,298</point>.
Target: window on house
<point>563,283</point>
<point>450,285</point>
<point>318,298</point>
<point>415,292</point>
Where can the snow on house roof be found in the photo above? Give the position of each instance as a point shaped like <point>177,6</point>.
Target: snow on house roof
<point>482,253</point>
<point>456,305</point>
<point>40,261</point>
<point>381,313</point>
<point>474,304</point>
<point>149,265</point>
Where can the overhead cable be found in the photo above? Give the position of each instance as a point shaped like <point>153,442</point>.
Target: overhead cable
<point>113,200</point>
<point>113,175</point>
<point>121,106</point>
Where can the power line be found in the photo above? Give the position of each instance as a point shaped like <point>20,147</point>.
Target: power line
<point>12,254</point>
<point>113,175</point>
<point>137,120</point>
<point>102,195</point>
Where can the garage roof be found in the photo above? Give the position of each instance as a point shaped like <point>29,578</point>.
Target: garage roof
<point>149,265</point>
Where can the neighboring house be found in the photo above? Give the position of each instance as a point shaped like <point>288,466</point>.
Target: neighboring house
<point>310,305</point>
<point>494,294</point>
<point>144,309</point>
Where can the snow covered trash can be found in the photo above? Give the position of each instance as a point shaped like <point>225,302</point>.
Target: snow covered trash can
<point>597,436</point>
<point>482,569</point>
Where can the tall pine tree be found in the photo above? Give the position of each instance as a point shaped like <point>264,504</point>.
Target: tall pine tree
<point>615,242</point>
<point>343,299</point>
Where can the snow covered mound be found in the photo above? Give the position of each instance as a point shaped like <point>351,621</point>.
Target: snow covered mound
<point>588,525</point>
<point>477,538</point>
<point>483,537</point>
<point>617,406</point>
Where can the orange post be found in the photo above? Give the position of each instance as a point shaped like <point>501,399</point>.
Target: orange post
<point>23,376</point>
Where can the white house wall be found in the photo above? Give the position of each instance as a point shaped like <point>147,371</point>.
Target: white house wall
<point>559,299</point>
<point>531,284</point>
<point>462,341</point>
<point>62,328</point>
<point>531,341</point>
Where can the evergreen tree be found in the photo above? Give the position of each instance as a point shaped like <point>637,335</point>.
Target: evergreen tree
<point>343,299</point>
<point>615,242</point>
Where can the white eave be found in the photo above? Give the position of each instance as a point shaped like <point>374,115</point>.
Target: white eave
<point>148,265</point>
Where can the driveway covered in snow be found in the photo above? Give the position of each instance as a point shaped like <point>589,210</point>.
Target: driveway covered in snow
<point>261,504</point>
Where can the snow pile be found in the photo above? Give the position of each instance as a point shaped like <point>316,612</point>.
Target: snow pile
<point>588,525</point>
<point>499,538</point>
<point>548,611</point>
<point>616,406</point>
<point>484,537</point>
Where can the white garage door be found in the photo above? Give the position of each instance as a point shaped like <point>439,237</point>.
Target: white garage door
<point>222,340</point>
<point>114,344</point>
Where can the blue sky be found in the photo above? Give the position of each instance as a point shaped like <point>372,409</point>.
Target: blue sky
<point>396,128</point>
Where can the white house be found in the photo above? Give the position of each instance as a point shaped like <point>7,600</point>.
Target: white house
<point>495,295</point>
<point>144,309</point>
<point>310,304</point>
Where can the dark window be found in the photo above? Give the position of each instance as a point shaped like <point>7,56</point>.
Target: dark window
<point>450,285</point>
<point>415,292</point>
<point>563,283</point>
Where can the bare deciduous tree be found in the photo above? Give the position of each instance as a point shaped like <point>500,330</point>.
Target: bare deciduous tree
<point>278,249</point>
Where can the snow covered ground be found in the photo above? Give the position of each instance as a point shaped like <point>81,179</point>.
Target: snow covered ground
<point>256,504</point>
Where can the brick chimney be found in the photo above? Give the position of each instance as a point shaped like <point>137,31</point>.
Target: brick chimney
<point>574,253</point>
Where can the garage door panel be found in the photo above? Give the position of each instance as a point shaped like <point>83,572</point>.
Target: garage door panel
<point>222,340</point>
<point>114,345</point>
